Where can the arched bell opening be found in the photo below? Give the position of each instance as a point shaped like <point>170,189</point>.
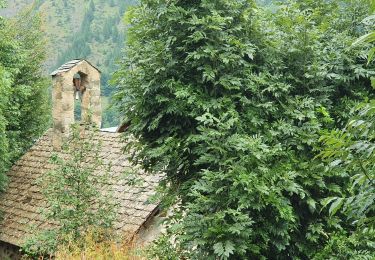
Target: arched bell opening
<point>80,83</point>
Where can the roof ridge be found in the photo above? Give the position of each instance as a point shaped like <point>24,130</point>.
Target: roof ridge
<point>71,64</point>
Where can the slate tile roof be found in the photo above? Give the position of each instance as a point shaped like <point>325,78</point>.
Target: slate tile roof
<point>23,201</point>
<point>69,65</point>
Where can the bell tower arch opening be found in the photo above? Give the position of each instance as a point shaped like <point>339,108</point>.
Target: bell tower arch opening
<point>80,82</point>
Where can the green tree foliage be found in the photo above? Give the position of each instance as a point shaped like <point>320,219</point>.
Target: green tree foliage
<point>370,37</point>
<point>229,100</point>
<point>24,102</point>
<point>349,153</point>
<point>4,143</point>
<point>76,200</point>
<point>5,83</point>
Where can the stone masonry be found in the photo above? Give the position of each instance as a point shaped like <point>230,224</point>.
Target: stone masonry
<point>63,97</point>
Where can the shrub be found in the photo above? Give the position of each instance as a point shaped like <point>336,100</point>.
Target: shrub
<point>97,246</point>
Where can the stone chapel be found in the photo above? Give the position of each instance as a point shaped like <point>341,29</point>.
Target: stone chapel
<point>22,202</point>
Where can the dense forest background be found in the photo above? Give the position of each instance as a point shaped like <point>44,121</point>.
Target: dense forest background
<point>81,29</point>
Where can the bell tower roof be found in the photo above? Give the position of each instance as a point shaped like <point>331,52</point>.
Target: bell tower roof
<point>71,64</point>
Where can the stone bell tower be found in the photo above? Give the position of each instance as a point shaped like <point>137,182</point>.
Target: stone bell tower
<point>75,79</point>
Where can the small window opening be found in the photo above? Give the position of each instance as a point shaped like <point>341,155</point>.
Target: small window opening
<point>77,82</point>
